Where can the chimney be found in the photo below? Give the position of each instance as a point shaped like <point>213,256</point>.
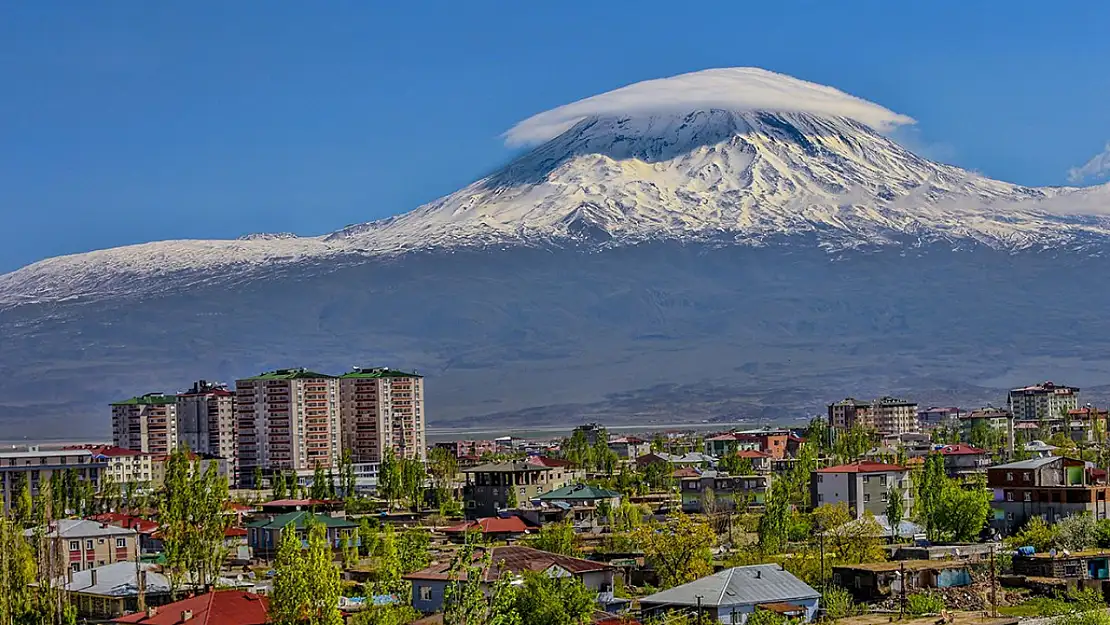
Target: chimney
<point>92,573</point>
<point>69,575</point>
<point>151,612</point>
<point>186,615</point>
<point>758,574</point>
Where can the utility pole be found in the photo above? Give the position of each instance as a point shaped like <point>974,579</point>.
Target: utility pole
<point>994,585</point>
<point>821,543</point>
<point>698,597</point>
<point>902,601</point>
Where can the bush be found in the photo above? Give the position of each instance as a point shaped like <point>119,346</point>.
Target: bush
<point>924,603</point>
<point>1093,617</point>
<point>839,604</point>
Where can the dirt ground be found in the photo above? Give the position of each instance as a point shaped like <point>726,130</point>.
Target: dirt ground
<point>959,618</point>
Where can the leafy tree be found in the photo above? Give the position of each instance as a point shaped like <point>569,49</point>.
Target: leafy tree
<point>895,509</point>
<point>733,464</point>
<point>465,599</point>
<point>190,513</point>
<point>962,513</point>
<point>626,516</point>
<point>1077,532</point>
<point>413,477</point>
<point>1035,533</point>
<point>412,550</point>
<point>23,504</point>
<point>19,602</point>
<point>257,477</point>
<point>983,436</point>
<point>820,433</point>
<point>511,500</point>
<point>347,474</point>
<point>1102,534</point>
<point>389,478</point>
<point>774,525</point>
<point>442,466</point>
<point>576,449</point>
<point>277,482</point>
<point>545,600</point>
<point>930,489</point>
<point>306,583</point>
<point>658,476</point>
<point>709,501</point>
<point>838,603</point>
<point>557,538</point>
<point>766,617</point>
<point>400,613</point>
<point>678,548</point>
<point>924,603</point>
<point>319,483</point>
<point>852,444</point>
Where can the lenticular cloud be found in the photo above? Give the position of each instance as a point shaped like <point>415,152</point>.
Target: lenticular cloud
<point>734,89</point>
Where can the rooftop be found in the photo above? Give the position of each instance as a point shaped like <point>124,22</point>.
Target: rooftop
<point>222,607</point>
<point>741,585</point>
<point>300,520</point>
<point>81,528</point>
<point>909,565</point>
<point>374,373</point>
<point>290,374</point>
<point>117,580</point>
<point>492,525</point>
<point>515,466</point>
<point>40,453</point>
<point>579,492</point>
<point>862,467</point>
<point>961,449</point>
<point>1032,463</point>
<point>1089,553</point>
<point>516,560</point>
<point>150,399</point>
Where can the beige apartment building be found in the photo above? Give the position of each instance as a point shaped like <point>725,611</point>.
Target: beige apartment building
<point>382,409</point>
<point>887,415</point>
<point>147,423</point>
<point>207,422</point>
<point>1046,401</point>
<point>288,419</point>
<point>124,466</point>
<point>850,412</point>
<point>85,544</point>
<point>34,466</point>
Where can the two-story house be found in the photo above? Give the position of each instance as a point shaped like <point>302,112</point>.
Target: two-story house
<point>488,486</point>
<point>86,544</point>
<point>865,486</point>
<point>730,492</point>
<point>961,460</point>
<point>1052,487</point>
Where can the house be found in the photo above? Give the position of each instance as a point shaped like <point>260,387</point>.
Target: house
<point>264,535</point>
<point>578,502</point>
<point>488,486</point>
<point>772,442</point>
<point>1094,564</point>
<point>629,447</point>
<point>761,460</point>
<point>582,495</point>
<point>492,528</point>
<point>1087,424</point>
<point>220,607</point>
<point>872,581</point>
<point>122,466</point>
<point>962,460</point>
<point>1052,487</point>
<point>85,544</point>
<point>863,485</point>
<point>36,468</point>
<point>145,528</point>
<point>429,584</point>
<point>730,492</point>
<point>112,590</point>
<point>997,419</point>
<point>690,459</point>
<point>729,596</point>
<point>460,449</point>
<point>562,472</point>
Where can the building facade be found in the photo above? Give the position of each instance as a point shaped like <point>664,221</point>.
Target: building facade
<point>124,466</point>
<point>887,415</point>
<point>288,420</point>
<point>382,409</point>
<point>35,467</point>
<point>89,544</point>
<point>1043,401</point>
<point>1052,488</point>
<point>207,422</point>
<point>147,423</point>
<point>863,486</point>
<point>491,487</point>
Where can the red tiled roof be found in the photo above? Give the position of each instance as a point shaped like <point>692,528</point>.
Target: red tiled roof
<point>515,559</point>
<point>729,436</point>
<point>142,526</point>
<point>492,525</point>
<point>235,532</point>
<point>283,503</point>
<point>751,453</point>
<point>222,607</point>
<point>862,467</point>
<point>961,449</point>
<point>238,507</point>
<point>685,472</point>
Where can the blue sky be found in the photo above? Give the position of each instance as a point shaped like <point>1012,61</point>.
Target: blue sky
<point>127,121</point>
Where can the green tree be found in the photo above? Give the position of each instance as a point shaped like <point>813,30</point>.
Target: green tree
<point>412,550</point>
<point>277,482</point>
<point>257,477</point>
<point>774,525</point>
<point>23,504</point>
<point>347,474</point>
<point>576,449</point>
<point>557,538</point>
<point>319,483</point>
<point>190,513</point>
<point>1035,533</point>
<point>466,600</point>
<point>546,600</point>
<point>895,509</point>
<point>852,444</point>
<point>766,617</point>
<point>400,613</point>
<point>930,484</point>
<point>306,583</point>
<point>511,501</point>
<point>680,548</point>
<point>389,478</point>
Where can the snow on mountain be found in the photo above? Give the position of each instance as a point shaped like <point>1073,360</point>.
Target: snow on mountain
<point>740,155</point>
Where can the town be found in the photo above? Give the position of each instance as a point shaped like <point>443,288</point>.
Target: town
<point>302,497</point>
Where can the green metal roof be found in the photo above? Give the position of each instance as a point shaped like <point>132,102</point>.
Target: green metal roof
<point>150,399</point>
<point>378,372</point>
<point>289,374</point>
<point>300,519</point>
<point>579,492</point>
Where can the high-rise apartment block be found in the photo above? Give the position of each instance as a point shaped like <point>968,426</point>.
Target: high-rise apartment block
<point>289,420</point>
<point>887,415</point>
<point>147,423</point>
<point>207,423</point>
<point>1045,401</point>
<point>382,409</point>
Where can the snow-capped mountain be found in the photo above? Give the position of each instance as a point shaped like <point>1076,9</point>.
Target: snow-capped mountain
<point>724,242</point>
<point>611,178</point>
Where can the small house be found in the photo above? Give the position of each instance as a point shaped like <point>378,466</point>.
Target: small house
<point>731,595</point>
<point>871,581</point>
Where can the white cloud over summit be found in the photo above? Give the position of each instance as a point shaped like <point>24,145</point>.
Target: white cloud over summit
<point>1097,167</point>
<point>735,89</point>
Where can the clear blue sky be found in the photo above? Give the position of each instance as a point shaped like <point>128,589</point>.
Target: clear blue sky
<point>127,121</point>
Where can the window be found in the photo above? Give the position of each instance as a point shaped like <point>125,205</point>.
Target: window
<point>1009,477</point>
<point>121,542</point>
<point>883,497</point>
<point>867,498</point>
<point>75,545</point>
<point>1026,476</point>
<point>1009,516</point>
<point>75,567</point>
<point>1027,496</point>
<point>425,593</point>
<point>89,545</point>
<point>1009,496</point>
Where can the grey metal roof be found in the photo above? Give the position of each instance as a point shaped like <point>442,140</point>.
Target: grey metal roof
<point>81,528</point>
<point>117,580</point>
<point>742,585</point>
<point>1032,463</point>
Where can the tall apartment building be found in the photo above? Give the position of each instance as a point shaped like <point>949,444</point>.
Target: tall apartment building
<point>887,415</point>
<point>147,423</point>
<point>382,409</point>
<point>1043,401</point>
<point>289,420</point>
<point>207,422</point>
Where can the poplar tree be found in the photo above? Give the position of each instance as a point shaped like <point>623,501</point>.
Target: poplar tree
<point>306,583</point>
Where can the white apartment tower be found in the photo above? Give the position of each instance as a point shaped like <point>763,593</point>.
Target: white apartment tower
<point>1045,401</point>
<point>207,422</point>
<point>382,409</point>
<point>147,423</point>
<point>289,420</point>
